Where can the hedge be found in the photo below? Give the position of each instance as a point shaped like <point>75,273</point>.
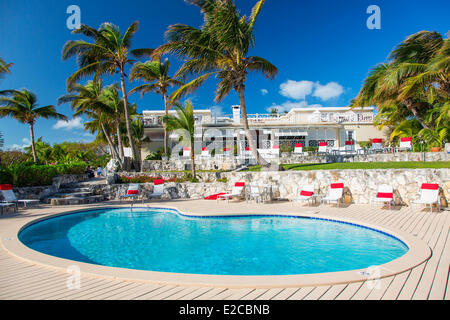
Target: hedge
<point>30,175</point>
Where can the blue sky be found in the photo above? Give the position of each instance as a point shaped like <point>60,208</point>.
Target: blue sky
<point>322,49</point>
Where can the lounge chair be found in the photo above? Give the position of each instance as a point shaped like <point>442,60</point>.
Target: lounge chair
<point>186,152</point>
<point>306,194</point>
<point>237,191</point>
<point>7,205</point>
<point>158,189</point>
<point>298,149</point>
<point>226,152</point>
<point>385,194</point>
<point>132,193</point>
<point>429,195</point>
<point>322,147</point>
<point>275,151</point>
<point>205,152</point>
<point>335,193</point>
<point>377,145</point>
<point>10,197</point>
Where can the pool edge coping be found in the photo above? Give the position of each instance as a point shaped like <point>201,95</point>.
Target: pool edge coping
<point>418,252</point>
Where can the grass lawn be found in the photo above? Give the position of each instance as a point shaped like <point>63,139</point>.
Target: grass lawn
<point>362,165</point>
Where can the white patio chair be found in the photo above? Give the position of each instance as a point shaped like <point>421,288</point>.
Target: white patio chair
<point>237,192</point>
<point>429,195</point>
<point>335,193</point>
<point>254,193</point>
<point>226,152</point>
<point>275,151</point>
<point>322,147</point>
<point>10,197</point>
<point>7,205</point>
<point>187,152</point>
<point>205,153</point>
<point>405,144</point>
<point>298,149</point>
<point>377,145</point>
<point>306,194</point>
<point>158,189</point>
<point>385,194</point>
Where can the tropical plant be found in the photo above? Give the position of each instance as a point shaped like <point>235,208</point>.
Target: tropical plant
<point>434,137</point>
<point>22,106</point>
<point>219,48</point>
<point>414,79</point>
<point>156,74</point>
<point>4,68</point>
<point>107,54</point>
<point>184,121</point>
<point>137,127</point>
<point>89,100</point>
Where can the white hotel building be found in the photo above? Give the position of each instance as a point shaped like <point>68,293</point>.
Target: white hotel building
<point>300,125</point>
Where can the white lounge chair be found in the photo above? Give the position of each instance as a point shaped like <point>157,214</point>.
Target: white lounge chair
<point>205,152</point>
<point>429,195</point>
<point>237,191</point>
<point>298,149</point>
<point>306,194</point>
<point>385,194</point>
<point>405,144</point>
<point>132,193</point>
<point>10,197</point>
<point>226,152</point>
<point>7,205</point>
<point>248,153</point>
<point>187,152</point>
<point>335,193</point>
<point>377,145</point>
<point>275,151</point>
<point>158,189</point>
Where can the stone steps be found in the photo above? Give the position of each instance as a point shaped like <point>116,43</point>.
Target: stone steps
<point>75,200</point>
<point>73,194</point>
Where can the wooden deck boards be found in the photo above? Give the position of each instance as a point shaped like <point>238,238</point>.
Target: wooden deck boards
<point>430,280</point>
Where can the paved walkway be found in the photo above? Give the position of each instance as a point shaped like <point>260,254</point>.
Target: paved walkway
<point>23,280</point>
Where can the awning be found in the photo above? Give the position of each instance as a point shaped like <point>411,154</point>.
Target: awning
<point>290,133</point>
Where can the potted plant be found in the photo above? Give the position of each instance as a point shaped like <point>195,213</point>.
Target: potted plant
<point>434,137</point>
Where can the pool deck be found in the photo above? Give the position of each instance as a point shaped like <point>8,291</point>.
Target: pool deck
<point>21,278</point>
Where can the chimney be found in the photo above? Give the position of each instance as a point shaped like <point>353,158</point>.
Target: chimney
<point>236,113</point>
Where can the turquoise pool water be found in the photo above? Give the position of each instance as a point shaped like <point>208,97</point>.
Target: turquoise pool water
<point>163,240</point>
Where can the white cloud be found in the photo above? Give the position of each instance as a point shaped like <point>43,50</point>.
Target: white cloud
<point>264,92</point>
<point>15,146</point>
<point>74,123</point>
<point>328,91</point>
<point>288,105</point>
<point>296,89</point>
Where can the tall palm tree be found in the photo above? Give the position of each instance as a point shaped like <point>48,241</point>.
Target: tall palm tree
<point>107,54</point>
<point>4,68</point>
<point>22,106</point>
<point>185,121</point>
<point>219,48</point>
<point>416,76</point>
<point>87,100</point>
<point>156,73</point>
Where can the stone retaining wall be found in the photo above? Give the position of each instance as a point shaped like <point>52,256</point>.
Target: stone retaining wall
<point>231,163</point>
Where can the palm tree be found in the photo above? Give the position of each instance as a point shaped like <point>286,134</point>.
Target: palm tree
<point>219,48</point>
<point>108,54</point>
<point>156,74</point>
<point>88,100</point>
<point>185,121</point>
<point>415,77</point>
<point>22,106</point>
<point>4,68</point>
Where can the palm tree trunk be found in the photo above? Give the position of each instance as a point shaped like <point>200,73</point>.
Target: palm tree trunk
<point>260,160</point>
<point>128,121</point>
<point>111,144</point>
<point>193,160</point>
<point>166,132</point>
<point>33,144</point>
<point>119,141</point>
<point>410,105</point>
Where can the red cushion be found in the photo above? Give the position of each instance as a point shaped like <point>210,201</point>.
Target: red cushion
<point>349,143</point>
<point>405,139</point>
<point>276,147</point>
<point>133,191</point>
<point>247,148</point>
<point>226,149</point>
<point>376,140</point>
<point>186,148</point>
<point>158,181</point>
<point>214,196</point>
<point>306,193</point>
<point>322,144</point>
<point>385,195</point>
<point>299,145</point>
<point>239,184</point>
<point>204,149</point>
<point>337,185</point>
<point>430,186</point>
<point>5,187</point>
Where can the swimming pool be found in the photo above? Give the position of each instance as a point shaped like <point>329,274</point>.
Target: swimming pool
<point>166,241</point>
